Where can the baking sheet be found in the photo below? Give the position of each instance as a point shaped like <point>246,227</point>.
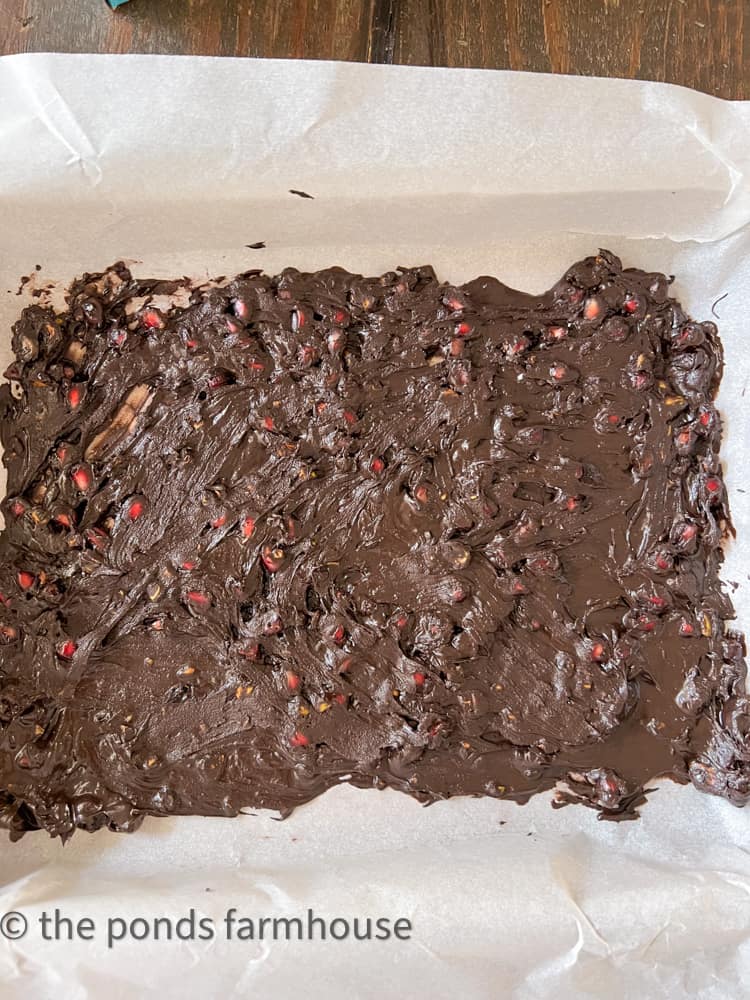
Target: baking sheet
<point>180,162</point>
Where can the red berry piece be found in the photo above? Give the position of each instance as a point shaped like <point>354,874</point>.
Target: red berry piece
<point>684,536</point>
<point>518,346</point>
<point>401,621</point>
<point>135,509</point>
<point>608,422</point>
<point>339,634</point>
<point>292,680</point>
<point>556,333</point>
<point>420,494</point>
<point>25,579</point>
<point>645,623</point>
<point>526,527</point>
<point>81,477</point>
<point>419,678</point>
<point>248,527</point>
<point>219,522</point>
<point>188,565</point>
<point>454,303</point>
<point>272,558</point>
<point>198,599</point>
<point>714,489</point>
<point>558,372</point>
<point>656,602</point>
<point>598,652</point>
<point>340,317</point>
<point>377,465</point>
<point>351,418</point>
<point>592,308</point>
<point>66,650</point>
<point>152,320</point>
<point>18,508</point>
<point>706,418</point>
<point>543,565</point>
<point>684,439</point>
<point>463,329</point>
<point>299,740</point>
<point>691,335</point>
<point>663,561</point>
<point>686,629</point>
<point>631,304</point>
<point>74,396</point>
<point>573,503</point>
<point>298,319</point>
<point>63,519</point>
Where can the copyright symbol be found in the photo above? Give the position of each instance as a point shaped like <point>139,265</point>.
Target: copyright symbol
<point>13,925</point>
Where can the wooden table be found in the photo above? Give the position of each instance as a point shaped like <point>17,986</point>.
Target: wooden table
<point>699,43</point>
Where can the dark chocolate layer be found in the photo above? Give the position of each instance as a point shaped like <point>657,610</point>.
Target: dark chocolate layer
<point>273,534</point>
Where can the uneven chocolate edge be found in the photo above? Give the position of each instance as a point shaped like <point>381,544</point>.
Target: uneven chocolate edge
<point>477,339</point>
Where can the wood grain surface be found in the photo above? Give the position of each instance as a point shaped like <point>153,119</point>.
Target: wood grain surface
<point>699,43</point>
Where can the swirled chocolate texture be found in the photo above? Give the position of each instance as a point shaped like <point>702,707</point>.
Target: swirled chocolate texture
<point>271,534</point>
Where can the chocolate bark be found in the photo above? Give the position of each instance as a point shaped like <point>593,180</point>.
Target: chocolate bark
<point>270,534</point>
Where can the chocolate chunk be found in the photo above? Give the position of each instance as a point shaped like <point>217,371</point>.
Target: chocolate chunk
<point>272,533</point>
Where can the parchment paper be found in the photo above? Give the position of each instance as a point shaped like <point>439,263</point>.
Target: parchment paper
<point>179,163</point>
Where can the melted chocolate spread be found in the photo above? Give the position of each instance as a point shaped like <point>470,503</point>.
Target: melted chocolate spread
<point>316,528</point>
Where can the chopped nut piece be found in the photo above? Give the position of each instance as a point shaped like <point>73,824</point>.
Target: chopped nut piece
<point>122,423</point>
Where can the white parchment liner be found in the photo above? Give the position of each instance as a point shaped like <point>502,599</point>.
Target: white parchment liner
<point>180,162</point>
